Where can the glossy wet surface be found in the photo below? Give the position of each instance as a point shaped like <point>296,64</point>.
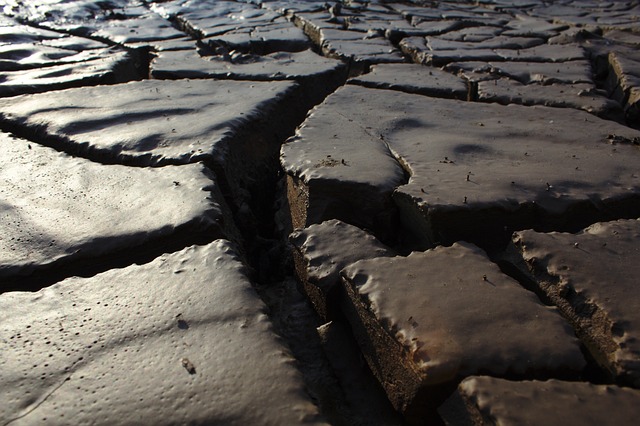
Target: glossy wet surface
<point>285,212</point>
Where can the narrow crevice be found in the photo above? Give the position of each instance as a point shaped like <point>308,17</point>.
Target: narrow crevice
<point>294,319</point>
<point>55,272</point>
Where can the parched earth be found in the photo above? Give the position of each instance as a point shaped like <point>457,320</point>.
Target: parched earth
<point>308,212</point>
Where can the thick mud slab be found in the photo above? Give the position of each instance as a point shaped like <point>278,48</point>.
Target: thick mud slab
<point>320,253</point>
<point>151,122</point>
<point>57,209</point>
<point>298,66</point>
<point>183,339</point>
<point>118,67</point>
<point>483,401</point>
<point>476,170</point>
<point>592,277</point>
<point>416,79</point>
<point>428,320</point>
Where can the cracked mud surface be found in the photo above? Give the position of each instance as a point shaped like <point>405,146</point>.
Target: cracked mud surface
<point>308,212</point>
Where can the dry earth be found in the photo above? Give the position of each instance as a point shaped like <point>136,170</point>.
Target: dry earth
<point>306,212</point>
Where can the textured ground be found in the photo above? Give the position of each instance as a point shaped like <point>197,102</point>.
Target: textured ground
<point>308,212</point>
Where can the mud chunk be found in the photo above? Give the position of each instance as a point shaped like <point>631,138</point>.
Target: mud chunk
<point>413,78</point>
<point>577,96</point>
<point>109,343</point>
<point>486,401</point>
<point>591,277</point>
<point>56,209</point>
<point>428,320</point>
<point>118,67</point>
<point>321,251</point>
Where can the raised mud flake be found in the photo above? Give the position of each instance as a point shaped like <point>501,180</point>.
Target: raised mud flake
<point>338,167</point>
<point>412,78</point>
<point>592,277</point>
<point>320,251</point>
<point>527,26</point>
<point>276,34</point>
<point>428,320</point>
<point>14,33</point>
<point>25,56</point>
<point>624,82</point>
<point>145,28</point>
<point>578,96</point>
<point>56,209</point>
<point>74,16</point>
<point>342,46</point>
<point>108,349</point>
<point>153,122</point>
<point>474,168</point>
<point>544,53</point>
<point>570,72</point>
<point>483,401</point>
<point>417,49</point>
<point>275,66</point>
<point>499,42</point>
<point>118,67</point>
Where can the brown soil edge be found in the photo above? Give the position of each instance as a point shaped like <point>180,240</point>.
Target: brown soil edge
<point>391,363</point>
<point>324,199</point>
<point>491,227</point>
<point>591,324</point>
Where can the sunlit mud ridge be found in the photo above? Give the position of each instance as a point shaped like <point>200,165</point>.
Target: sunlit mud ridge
<point>307,212</point>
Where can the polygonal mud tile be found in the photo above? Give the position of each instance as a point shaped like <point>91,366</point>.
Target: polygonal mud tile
<point>145,28</point>
<point>497,42</point>
<point>236,26</point>
<point>578,96</point>
<point>316,75</point>
<point>182,43</point>
<point>211,17</point>
<point>159,122</point>
<point>340,169</point>
<point>14,33</point>
<point>288,7</point>
<point>274,66</point>
<point>592,277</point>
<point>440,27</point>
<point>482,401</point>
<point>276,34</point>
<point>181,340</point>
<point>623,81</point>
<point>543,53</point>
<point>360,50</point>
<point>477,171</point>
<point>473,34</point>
<point>570,72</point>
<point>57,209</point>
<point>413,78</point>
<point>78,44</point>
<point>428,320</point>
<point>315,23</point>
<point>417,49</point>
<point>527,26</point>
<point>321,251</point>
<point>78,16</point>
<point>119,67</point>
<point>22,56</point>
